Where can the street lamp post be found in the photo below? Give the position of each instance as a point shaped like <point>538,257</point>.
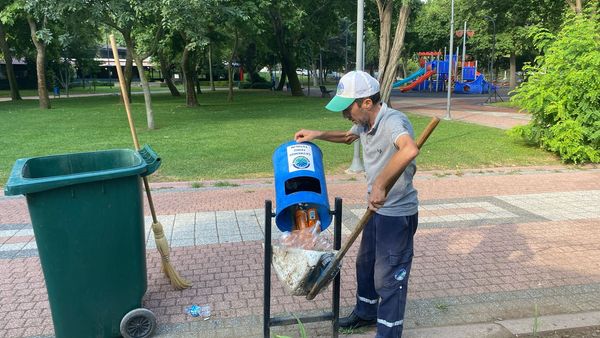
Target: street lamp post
<point>493,47</point>
<point>346,33</point>
<point>448,116</point>
<point>359,33</point>
<point>357,166</point>
<point>346,50</point>
<point>492,88</point>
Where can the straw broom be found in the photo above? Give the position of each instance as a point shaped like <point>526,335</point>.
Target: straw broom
<point>157,228</point>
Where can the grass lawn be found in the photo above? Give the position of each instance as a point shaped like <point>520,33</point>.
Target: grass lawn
<point>506,104</point>
<point>220,140</point>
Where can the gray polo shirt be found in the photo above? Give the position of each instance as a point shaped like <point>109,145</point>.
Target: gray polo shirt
<point>379,145</point>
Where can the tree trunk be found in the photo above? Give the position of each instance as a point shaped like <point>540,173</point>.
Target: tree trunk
<point>210,72</point>
<point>513,71</point>
<point>230,67</point>
<point>230,83</point>
<point>40,63</point>
<point>282,80</point>
<point>10,71</point>
<point>190,93</point>
<point>168,74</point>
<point>314,72</point>
<point>578,6</point>
<point>146,89</point>
<point>294,81</point>
<point>390,62</point>
<point>248,60</point>
<point>128,70</point>
<point>144,82</point>
<point>287,58</point>
<point>68,78</point>
<point>385,9</point>
<point>196,80</point>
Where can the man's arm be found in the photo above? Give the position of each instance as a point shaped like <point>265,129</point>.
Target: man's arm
<point>338,136</point>
<point>407,151</point>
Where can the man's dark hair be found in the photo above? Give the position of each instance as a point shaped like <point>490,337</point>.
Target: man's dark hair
<point>376,98</point>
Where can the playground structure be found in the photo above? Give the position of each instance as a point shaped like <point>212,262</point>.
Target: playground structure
<point>433,76</point>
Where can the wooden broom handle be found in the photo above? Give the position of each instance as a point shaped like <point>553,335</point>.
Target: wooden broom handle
<point>367,215</point>
<point>125,97</point>
<point>124,93</point>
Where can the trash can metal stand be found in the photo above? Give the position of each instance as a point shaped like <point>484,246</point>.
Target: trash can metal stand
<point>299,180</point>
<point>87,215</point>
<point>334,314</point>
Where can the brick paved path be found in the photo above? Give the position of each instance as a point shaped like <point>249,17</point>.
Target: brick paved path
<point>466,108</point>
<point>490,244</point>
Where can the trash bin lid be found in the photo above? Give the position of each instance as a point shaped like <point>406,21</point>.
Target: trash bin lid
<point>35,174</point>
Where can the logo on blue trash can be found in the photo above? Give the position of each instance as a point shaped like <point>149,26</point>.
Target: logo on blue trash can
<point>301,162</point>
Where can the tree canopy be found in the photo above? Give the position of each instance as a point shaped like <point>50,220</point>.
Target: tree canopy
<point>205,38</point>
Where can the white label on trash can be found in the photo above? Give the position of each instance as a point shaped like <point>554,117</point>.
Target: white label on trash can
<point>300,157</point>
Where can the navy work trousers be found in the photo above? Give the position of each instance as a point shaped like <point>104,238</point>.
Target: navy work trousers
<point>382,271</point>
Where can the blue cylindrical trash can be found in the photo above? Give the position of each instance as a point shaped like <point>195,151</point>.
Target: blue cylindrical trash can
<point>299,179</point>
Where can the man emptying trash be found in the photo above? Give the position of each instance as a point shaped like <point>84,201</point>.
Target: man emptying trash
<point>386,249</point>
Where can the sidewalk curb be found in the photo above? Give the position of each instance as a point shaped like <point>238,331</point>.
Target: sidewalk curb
<point>506,328</point>
<point>500,329</point>
<point>488,330</point>
<point>551,322</point>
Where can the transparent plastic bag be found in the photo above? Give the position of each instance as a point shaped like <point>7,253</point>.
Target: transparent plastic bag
<point>310,238</point>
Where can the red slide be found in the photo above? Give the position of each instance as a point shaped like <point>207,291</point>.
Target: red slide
<point>417,81</point>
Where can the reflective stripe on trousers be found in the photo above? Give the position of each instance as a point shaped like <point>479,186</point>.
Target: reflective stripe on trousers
<point>382,269</point>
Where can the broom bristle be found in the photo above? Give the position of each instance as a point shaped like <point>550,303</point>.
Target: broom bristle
<point>176,281</point>
<point>163,247</point>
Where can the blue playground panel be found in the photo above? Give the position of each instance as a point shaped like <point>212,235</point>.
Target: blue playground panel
<point>442,67</point>
<point>425,84</point>
<point>472,84</point>
<point>479,86</point>
<point>468,73</point>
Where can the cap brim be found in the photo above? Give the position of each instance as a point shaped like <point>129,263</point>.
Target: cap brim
<point>339,103</point>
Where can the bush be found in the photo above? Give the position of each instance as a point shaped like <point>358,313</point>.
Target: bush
<point>562,91</point>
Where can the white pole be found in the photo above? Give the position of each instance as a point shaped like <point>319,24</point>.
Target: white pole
<point>359,34</point>
<point>357,166</point>
<point>464,54</point>
<point>448,116</point>
<point>456,63</point>
<point>363,55</point>
<point>437,71</point>
<point>443,58</point>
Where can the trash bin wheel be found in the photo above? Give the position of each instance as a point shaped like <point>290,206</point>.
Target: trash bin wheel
<point>138,323</point>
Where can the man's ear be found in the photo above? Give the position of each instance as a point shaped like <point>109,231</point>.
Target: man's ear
<point>367,104</point>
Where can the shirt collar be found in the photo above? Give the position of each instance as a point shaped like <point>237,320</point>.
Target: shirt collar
<point>378,118</point>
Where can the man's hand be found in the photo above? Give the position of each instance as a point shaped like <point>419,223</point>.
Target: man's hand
<point>305,135</point>
<point>407,151</point>
<point>377,198</point>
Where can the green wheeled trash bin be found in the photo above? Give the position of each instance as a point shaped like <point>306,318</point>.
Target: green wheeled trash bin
<point>87,215</point>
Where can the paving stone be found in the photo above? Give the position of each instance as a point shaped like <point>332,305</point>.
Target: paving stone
<point>478,264</point>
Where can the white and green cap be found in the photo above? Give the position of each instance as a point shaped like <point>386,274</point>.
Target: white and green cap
<point>353,85</point>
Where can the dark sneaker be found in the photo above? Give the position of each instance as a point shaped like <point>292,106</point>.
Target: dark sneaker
<point>353,321</point>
